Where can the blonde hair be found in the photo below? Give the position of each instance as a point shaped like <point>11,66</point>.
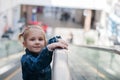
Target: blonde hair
<point>22,36</point>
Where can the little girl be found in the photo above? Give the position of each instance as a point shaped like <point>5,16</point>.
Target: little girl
<point>36,61</point>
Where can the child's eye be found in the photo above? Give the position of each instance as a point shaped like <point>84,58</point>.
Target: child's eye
<point>40,39</point>
<point>32,39</point>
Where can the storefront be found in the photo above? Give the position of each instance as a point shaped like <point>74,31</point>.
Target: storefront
<point>114,23</point>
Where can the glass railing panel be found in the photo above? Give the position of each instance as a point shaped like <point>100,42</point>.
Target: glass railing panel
<point>9,47</point>
<point>93,64</point>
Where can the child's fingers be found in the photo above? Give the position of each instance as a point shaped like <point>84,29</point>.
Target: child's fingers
<point>61,45</point>
<point>56,45</point>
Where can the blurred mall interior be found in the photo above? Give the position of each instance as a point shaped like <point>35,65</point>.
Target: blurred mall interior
<point>91,28</point>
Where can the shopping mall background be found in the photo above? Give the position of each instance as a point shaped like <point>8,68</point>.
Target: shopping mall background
<point>100,16</point>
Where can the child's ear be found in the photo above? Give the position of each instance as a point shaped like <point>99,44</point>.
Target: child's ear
<point>24,44</point>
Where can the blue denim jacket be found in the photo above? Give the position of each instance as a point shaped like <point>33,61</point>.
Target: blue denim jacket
<point>37,67</point>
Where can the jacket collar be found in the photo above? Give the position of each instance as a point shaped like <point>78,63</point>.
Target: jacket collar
<point>31,53</point>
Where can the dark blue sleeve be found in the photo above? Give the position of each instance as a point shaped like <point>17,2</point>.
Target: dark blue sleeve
<point>54,39</point>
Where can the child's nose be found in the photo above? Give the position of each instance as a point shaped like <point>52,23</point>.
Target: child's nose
<point>37,41</point>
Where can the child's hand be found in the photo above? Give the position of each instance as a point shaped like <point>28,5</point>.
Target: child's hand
<point>60,44</point>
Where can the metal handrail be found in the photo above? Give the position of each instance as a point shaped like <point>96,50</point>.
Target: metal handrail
<point>60,68</point>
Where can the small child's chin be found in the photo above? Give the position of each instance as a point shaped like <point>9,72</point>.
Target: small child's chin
<point>36,52</point>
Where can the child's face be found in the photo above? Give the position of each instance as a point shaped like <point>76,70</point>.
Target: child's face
<point>35,41</point>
